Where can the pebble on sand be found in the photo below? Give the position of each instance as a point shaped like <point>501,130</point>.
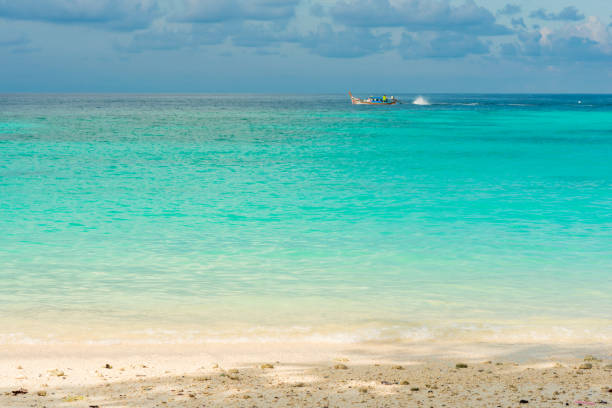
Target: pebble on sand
<point>108,366</point>
<point>42,393</point>
<point>340,367</point>
<point>397,367</point>
<point>585,366</point>
<point>266,365</point>
<point>73,398</point>
<point>56,372</point>
<point>461,365</point>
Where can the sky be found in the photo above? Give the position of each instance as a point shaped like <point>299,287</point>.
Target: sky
<point>306,46</point>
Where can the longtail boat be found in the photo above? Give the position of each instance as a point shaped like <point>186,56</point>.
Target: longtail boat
<point>372,100</point>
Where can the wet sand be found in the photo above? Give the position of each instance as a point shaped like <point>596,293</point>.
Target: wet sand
<point>308,375</point>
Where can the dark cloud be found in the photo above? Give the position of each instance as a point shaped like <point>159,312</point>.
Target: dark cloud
<point>509,10</point>
<point>418,15</point>
<point>214,11</point>
<point>569,13</point>
<point>350,43</point>
<point>518,22</point>
<point>111,14</point>
<point>529,43</point>
<point>139,14</point>
<point>445,45</point>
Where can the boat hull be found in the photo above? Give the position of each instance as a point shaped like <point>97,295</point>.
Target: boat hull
<point>358,101</point>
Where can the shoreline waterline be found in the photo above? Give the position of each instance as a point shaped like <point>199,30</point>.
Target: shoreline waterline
<point>567,333</point>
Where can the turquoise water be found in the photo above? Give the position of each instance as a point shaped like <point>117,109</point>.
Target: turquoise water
<point>204,217</point>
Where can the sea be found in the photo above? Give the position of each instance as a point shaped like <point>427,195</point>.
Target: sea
<point>275,218</point>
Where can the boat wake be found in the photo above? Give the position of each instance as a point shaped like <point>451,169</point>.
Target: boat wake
<point>420,101</point>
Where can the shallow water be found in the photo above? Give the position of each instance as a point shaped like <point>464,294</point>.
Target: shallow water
<point>208,217</point>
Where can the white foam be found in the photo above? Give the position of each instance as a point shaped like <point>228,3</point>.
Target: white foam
<point>420,101</point>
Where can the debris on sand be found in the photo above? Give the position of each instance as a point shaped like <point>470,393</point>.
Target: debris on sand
<point>19,391</point>
<point>73,398</point>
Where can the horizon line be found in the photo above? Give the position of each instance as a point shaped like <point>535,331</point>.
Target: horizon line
<point>292,93</point>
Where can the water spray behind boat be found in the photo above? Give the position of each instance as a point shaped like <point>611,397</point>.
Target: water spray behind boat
<point>420,101</point>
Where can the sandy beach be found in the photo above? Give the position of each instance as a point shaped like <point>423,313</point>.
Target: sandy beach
<point>308,375</point>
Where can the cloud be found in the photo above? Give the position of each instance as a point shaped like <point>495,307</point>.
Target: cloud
<point>509,50</point>
<point>418,15</point>
<point>25,50</point>
<point>214,11</point>
<point>242,34</point>
<point>111,14</point>
<point>263,35</point>
<point>350,43</point>
<point>569,13</point>
<point>175,37</point>
<point>15,41</point>
<point>317,10</point>
<point>518,22</point>
<point>588,41</point>
<point>509,10</point>
<point>444,45</point>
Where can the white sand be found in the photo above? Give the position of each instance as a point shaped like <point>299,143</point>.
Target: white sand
<point>303,375</point>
